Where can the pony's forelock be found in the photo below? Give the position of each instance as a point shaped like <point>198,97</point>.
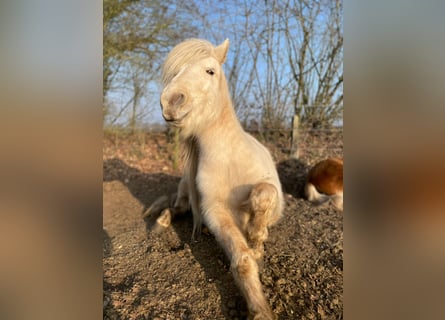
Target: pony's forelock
<point>186,52</point>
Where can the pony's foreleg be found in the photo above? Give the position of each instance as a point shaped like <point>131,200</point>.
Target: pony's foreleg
<point>181,202</point>
<point>197,217</point>
<point>165,208</point>
<point>263,200</point>
<point>180,206</point>
<point>188,198</point>
<point>242,262</point>
<point>160,213</point>
<point>156,207</point>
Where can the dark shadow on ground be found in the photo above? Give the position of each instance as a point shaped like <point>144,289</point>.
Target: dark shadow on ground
<point>293,173</point>
<point>146,188</point>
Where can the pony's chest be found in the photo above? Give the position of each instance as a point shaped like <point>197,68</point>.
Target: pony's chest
<point>222,177</point>
<point>219,176</point>
<point>213,173</point>
<point>227,169</point>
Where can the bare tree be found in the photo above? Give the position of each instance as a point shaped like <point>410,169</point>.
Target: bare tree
<point>137,36</point>
<point>286,57</point>
<point>314,41</point>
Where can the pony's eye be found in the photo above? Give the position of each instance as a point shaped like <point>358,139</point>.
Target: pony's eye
<point>210,71</point>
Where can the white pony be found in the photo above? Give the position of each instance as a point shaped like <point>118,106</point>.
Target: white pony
<point>230,181</point>
<point>325,182</point>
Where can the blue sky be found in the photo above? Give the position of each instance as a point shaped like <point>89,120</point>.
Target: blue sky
<point>222,26</point>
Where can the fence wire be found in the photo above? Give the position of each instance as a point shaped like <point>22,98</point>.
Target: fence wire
<point>312,144</point>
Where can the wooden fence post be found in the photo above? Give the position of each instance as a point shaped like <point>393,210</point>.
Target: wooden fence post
<point>295,152</point>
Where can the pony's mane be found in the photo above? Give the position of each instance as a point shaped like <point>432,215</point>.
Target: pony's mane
<point>186,52</point>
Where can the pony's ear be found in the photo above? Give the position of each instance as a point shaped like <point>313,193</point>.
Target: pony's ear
<point>221,51</point>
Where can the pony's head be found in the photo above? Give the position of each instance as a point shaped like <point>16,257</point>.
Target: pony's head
<point>195,87</point>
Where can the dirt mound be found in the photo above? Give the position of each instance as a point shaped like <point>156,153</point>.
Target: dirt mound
<point>169,276</point>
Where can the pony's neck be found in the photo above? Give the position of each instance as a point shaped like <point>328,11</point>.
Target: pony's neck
<point>227,119</point>
<point>225,128</point>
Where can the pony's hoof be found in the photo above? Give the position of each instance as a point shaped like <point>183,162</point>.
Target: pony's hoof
<point>162,222</point>
<point>160,204</point>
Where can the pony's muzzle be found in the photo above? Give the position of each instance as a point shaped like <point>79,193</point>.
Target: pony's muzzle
<point>171,104</point>
<point>176,99</point>
<point>172,100</point>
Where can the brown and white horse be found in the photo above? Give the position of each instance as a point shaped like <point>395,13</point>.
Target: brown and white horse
<point>325,182</point>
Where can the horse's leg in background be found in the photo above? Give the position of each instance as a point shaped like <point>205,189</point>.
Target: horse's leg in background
<point>263,199</point>
<point>242,261</point>
<point>338,201</point>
